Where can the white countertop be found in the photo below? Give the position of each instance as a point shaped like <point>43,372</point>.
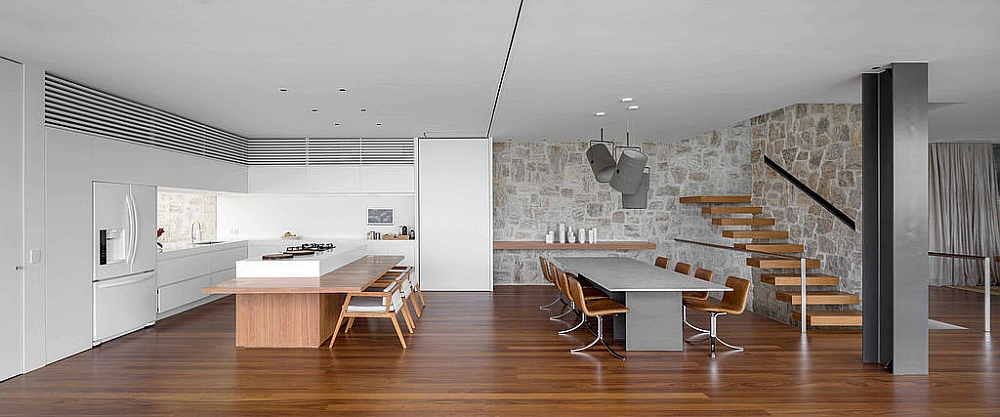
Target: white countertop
<point>303,266</point>
<point>181,249</point>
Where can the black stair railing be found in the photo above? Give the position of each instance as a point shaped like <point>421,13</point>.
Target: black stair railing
<point>809,192</point>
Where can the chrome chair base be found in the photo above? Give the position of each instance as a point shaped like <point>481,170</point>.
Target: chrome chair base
<point>600,338</point>
<point>684,315</point>
<point>558,299</point>
<point>571,308</point>
<point>712,336</point>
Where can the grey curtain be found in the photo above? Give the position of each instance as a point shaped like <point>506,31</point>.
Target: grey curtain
<point>963,211</point>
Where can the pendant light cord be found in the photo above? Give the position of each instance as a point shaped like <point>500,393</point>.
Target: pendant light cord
<point>510,47</point>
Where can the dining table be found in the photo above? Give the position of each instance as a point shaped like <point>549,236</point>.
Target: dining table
<point>652,294</point>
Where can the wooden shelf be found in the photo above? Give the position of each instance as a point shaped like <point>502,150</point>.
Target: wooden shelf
<point>536,245</point>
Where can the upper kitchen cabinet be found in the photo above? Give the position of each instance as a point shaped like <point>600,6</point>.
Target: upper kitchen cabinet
<point>387,178</point>
<point>277,179</point>
<point>334,178</point>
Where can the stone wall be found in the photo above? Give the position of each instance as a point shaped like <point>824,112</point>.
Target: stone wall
<point>820,144</point>
<point>536,186</point>
<point>175,212</point>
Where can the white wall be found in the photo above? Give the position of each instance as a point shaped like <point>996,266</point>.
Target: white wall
<point>268,216</point>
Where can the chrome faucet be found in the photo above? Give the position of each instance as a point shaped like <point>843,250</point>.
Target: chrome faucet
<point>196,231</point>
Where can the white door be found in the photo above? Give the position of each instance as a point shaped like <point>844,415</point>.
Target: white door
<point>454,198</point>
<point>11,219</point>
<point>144,201</point>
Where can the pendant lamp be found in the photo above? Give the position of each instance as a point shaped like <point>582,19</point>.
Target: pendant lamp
<point>602,162</point>
<point>638,199</point>
<point>628,172</point>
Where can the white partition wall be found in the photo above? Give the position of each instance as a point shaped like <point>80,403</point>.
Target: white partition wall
<point>11,219</point>
<point>455,214</point>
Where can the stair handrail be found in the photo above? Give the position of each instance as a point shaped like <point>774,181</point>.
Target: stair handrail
<point>987,260</point>
<point>809,192</point>
<point>802,271</point>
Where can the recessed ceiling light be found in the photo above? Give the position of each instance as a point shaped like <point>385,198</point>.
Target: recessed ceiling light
<point>315,110</point>
<point>626,99</point>
<point>342,90</point>
<point>363,109</point>
<point>600,113</point>
<point>336,123</point>
<point>282,90</point>
<point>378,123</point>
<point>633,107</point>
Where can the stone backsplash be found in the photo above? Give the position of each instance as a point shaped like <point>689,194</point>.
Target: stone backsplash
<point>536,186</point>
<point>175,212</point>
<point>820,144</point>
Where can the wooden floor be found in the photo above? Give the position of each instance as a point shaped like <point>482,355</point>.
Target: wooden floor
<point>481,353</point>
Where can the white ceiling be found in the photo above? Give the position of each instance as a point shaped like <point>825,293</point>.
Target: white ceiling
<point>433,66</point>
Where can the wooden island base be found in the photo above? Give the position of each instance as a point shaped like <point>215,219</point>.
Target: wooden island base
<point>297,312</point>
<point>286,320</point>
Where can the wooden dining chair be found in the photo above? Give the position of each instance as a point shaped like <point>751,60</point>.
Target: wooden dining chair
<point>383,303</point>
<point>415,282</point>
<point>696,295</point>
<point>547,274</point>
<point>595,308</point>
<point>683,268</point>
<point>733,303</point>
<point>661,262</point>
<point>406,287</point>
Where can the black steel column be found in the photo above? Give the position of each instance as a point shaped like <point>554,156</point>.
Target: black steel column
<point>870,218</point>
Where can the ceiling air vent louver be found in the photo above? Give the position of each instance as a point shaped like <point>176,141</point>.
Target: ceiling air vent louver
<point>76,107</point>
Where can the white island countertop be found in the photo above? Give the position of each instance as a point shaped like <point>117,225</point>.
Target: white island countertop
<point>302,266</point>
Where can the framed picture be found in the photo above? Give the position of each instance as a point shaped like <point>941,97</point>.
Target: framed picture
<point>380,217</point>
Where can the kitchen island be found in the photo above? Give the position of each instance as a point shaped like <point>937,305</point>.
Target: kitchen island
<point>297,311</point>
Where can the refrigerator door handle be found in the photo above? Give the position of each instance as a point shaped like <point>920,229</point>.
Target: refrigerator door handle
<point>130,250</point>
<point>117,282</point>
<point>135,228</point>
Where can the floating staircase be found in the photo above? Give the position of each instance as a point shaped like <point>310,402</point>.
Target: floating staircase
<point>814,297</point>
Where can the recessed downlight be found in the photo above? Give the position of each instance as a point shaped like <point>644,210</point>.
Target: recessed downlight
<point>378,123</point>
<point>633,107</point>
<point>336,123</point>
<point>315,110</point>
<point>626,99</point>
<point>363,109</point>
<point>282,90</point>
<point>342,90</point>
<point>600,113</point>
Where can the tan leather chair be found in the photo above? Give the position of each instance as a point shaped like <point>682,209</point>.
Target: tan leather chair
<point>385,303</point>
<point>595,308</point>
<point>696,295</point>
<point>547,274</point>
<point>661,262</point>
<point>733,302</point>
<point>589,294</point>
<point>683,268</point>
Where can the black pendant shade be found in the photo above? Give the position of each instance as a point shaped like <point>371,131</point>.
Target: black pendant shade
<point>601,161</point>
<point>638,200</point>
<point>628,173</point>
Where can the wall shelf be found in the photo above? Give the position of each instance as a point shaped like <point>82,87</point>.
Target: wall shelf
<point>536,245</point>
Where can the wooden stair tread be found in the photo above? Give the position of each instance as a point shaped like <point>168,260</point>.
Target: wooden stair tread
<point>790,279</point>
<point>732,210</point>
<point>755,234</point>
<point>830,317</point>
<point>781,263</point>
<point>817,297</point>
<point>771,247</point>
<point>715,199</point>
<point>736,221</point>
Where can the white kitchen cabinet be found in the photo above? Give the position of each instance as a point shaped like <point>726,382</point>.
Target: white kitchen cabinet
<point>406,248</point>
<point>277,179</point>
<point>387,178</point>
<point>69,290</point>
<point>181,274</point>
<point>455,209</point>
<point>333,179</point>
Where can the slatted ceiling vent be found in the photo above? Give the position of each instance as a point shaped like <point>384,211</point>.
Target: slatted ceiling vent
<point>75,107</point>
<point>330,151</point>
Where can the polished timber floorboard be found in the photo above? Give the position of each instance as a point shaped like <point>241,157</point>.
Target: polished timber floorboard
<point>481,353</point>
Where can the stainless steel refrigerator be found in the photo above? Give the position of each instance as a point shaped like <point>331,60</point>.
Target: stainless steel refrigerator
<point>124,259</point>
